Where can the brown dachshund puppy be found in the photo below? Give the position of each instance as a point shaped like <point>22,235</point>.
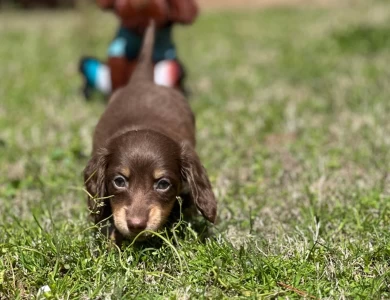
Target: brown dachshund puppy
<point>143,156</point>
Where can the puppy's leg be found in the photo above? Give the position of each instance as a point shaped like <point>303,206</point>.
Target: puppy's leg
<point>115,236</point>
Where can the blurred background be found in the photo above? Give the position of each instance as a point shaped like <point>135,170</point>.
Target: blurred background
<point>292,105</point>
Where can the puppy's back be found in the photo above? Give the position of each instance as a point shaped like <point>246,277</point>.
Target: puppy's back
<point>141,104</point>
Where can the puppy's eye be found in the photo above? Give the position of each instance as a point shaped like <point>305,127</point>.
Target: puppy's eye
<point>162,185</point>
<point>119,182</point>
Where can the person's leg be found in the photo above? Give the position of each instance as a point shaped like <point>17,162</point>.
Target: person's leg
<point>102,77</point>
<point>123,53</point>
<point>122,58</point>
<point>168,69</point>
<point>96,76</point>
<point>118,71</point>
<point>107,78</point>
<point>169,73</point>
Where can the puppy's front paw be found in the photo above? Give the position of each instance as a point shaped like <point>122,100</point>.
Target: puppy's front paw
<point>115,237</point>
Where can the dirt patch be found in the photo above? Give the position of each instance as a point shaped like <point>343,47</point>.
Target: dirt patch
<point>242,4</point>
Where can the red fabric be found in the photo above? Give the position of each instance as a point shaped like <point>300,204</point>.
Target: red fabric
<point>182,11</point>
<point>135,14</point>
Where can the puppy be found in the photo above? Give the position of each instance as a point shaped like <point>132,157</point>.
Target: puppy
<point>143,156</point>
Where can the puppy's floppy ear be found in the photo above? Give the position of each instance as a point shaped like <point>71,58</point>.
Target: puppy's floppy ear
<point>194,174</point>
<point>94,181</point>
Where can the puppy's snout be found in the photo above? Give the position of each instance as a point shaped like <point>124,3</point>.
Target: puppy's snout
<point>137,223</point>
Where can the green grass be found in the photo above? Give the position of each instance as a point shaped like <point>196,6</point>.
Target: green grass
<point>292,111</point>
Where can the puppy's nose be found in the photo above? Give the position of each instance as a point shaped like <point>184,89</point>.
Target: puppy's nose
<point>138,224</point>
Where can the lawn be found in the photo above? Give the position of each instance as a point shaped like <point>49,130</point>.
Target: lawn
<point>293,126</point>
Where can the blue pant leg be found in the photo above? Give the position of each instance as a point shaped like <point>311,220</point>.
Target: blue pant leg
<point>164,48</point>
<point>119,44</point>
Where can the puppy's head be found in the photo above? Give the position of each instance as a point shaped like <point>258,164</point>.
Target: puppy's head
<point>138,177</point>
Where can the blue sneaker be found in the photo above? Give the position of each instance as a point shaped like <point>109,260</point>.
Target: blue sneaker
<point>96,76</point>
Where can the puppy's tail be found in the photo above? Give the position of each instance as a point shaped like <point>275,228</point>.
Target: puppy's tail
<point>144,69</point>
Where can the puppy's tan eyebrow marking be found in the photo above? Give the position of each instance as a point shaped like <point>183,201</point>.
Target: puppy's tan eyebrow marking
<point>158,173</point>
<point>125,172</point>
